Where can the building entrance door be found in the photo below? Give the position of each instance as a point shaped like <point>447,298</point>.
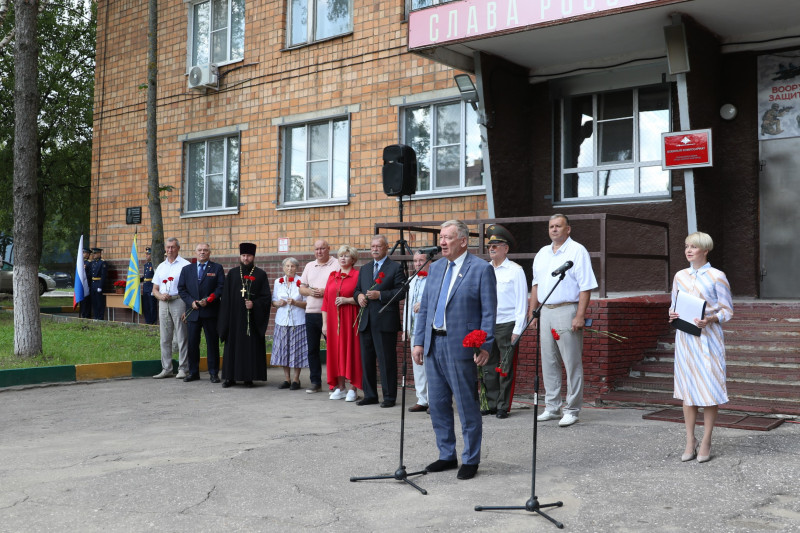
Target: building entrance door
<point>779,223</point>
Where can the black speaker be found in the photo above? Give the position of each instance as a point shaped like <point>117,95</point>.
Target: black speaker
<point>399,170</point>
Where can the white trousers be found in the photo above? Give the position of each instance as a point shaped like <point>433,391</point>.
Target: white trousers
<point>172,328</point>
<point>567,350</point>
<point>420,381</point>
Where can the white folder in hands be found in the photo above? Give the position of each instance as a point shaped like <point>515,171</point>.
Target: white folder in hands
<point>688,308</point>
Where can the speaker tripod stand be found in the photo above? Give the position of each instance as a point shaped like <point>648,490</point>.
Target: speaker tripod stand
<point>401,474</point>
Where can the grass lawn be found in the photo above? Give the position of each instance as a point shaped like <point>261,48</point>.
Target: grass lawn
<point>75,343</point>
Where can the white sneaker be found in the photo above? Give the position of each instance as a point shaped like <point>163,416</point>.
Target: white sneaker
<point>181,374</point>
<point>338,394</point>
<point>351,396</point>
<point>548,415</point>
<point>568,420</point>
<point>163,374</point>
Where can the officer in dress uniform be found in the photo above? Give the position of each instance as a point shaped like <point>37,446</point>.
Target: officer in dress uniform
<point>86,304</point>
<point>149,305</point>
<point>99,270</point>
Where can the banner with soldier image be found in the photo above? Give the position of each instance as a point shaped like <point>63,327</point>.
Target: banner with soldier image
<point>779,96</point>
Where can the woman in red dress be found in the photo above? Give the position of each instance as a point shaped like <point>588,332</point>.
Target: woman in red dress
<point>339,313</point>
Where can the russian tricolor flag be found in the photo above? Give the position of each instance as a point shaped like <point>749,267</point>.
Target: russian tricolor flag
<point>81,284</point>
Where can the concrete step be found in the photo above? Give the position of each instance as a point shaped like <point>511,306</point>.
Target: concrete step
<point>766,374</point>
<point>662,399</point>
<point>736,389</point>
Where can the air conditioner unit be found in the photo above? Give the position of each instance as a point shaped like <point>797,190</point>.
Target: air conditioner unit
<point>203,77</point>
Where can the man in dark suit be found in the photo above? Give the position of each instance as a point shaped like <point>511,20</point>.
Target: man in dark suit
<point>459,297</point>
<point>197,283</point>
<point>378,282</point>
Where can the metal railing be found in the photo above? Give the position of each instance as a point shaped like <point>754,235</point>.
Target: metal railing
<point>602,255</point>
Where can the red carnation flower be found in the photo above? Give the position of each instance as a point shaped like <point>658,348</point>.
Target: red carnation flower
<point>171,278</point>
<point>163,281</point>
<point>211,297</point>
<point>298,282</point>
<point>422,274</point>
<point>475,339</point>
<point>279,281</point>
<point>378,281</point>
<point>498,370</point>
<point>291,280</point>
<point>381,275</point>
<point>556,336</point>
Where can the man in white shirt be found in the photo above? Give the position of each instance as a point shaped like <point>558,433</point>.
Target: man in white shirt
<point>413,298</point>
<point>512,302</point>
<point>170,310</point>
<point>562,318</point>
<point>313,280</point>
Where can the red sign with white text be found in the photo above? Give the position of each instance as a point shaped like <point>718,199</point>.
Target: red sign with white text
<point>686,149</point>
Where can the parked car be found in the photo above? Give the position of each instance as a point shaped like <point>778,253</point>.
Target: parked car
<point>62,279</point>
<point>46,283</point>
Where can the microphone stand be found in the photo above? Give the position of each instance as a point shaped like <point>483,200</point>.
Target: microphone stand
<point>400,474</point>
<point>533,505</point>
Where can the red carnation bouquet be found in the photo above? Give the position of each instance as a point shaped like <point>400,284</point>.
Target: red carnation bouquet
<point>378,280</point>
<point>475,339</point>
<point>422,274</point>
<point>120,283</point>
<point>210,298</point>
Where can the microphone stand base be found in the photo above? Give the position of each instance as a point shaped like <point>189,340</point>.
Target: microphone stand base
<point>532,506</point>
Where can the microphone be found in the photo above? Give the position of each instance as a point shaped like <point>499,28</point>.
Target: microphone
<point>563,268</point>
<point>430,250</point>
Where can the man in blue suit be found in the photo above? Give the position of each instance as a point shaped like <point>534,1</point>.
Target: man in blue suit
<point>460,296</point>
<point>197,282</point>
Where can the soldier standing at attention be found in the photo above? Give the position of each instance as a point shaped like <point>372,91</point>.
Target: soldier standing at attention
<point>99,269</point>
<point>148,301</point>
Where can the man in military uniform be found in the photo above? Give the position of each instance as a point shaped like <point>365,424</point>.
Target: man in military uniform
<point>99,270</point>
<point>149,305</point>
<point>86,303</point>
<point>512,304</point>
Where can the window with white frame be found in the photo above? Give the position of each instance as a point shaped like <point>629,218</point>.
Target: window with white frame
<point>446,137</point>
<point>216,31</point>
<point>316,162</point>
<point>316,20</point>
<point>212,175</point>
<point>611,145</point>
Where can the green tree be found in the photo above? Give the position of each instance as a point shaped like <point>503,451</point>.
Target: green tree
<point>66,39</point>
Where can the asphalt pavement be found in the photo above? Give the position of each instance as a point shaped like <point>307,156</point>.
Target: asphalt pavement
<point>163,455</point>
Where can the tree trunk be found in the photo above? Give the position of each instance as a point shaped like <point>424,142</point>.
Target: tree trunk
<point>27,322</point>
<point>153,190</point>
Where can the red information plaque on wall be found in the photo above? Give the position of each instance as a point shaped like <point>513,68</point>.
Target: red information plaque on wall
<point>686,149</point>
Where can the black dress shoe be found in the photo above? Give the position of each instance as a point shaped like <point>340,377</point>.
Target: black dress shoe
<point>440,465</point>
<point>248,384</point>
<point>467,471</point>
<point>488,412</point>
<point>284,385</point>
<point>191,377</point>
<point>387,403</point>
<point>295,385</point>
<point>502,413</point>
<point>228,383</point>
<point>214,378</point>
<point>367,401</point>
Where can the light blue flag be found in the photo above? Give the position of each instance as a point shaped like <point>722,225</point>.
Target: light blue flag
<point>133,291</point>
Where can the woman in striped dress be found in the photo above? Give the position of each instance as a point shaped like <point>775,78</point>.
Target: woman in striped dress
<point>700,360</point>
<point>289,344</point>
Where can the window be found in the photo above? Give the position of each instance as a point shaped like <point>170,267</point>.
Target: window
<point>216,31</point>
<point>212,175</point>
<point>316,163</point>
<point>447,140</point>
<point>315,20</point>
<point>611,145</point>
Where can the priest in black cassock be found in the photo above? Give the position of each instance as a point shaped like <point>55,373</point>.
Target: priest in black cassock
<point>243,318</point>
